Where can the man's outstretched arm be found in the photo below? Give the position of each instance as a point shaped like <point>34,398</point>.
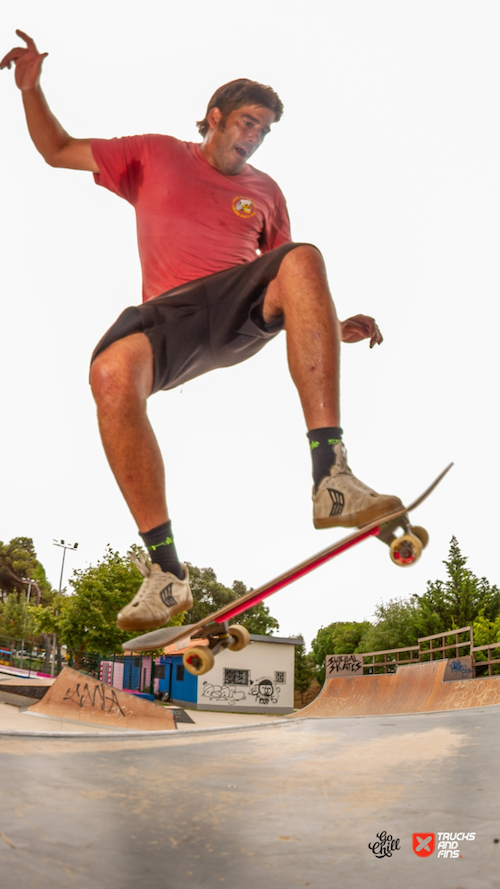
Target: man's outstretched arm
<point>56,146</point>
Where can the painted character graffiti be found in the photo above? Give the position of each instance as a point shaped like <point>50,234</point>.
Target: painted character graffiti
<point>265,692</point>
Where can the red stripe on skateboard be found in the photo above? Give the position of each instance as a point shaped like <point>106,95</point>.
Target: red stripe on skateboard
<point>278,585</point>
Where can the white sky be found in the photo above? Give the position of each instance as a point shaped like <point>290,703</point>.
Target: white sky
<point>388,155</point>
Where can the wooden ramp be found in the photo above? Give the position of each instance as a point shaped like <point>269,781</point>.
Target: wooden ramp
<point>414,688</point>
<point>78,697</point>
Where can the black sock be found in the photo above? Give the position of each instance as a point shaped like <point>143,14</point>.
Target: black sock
<point>161,547</point>
<point>321,442</point>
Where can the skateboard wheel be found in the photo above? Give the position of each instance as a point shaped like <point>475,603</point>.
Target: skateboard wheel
<point>421,533</point>
<point>241,635</point>
<point>198,660</point>
<point>406,550</point>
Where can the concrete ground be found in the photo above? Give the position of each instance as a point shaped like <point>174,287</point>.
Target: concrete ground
<point>277,804</point>
<point>273,806</point>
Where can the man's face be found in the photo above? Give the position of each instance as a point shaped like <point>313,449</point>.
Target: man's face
<point>230,143</point>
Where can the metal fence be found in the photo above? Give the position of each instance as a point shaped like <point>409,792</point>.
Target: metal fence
<point>139,673</point>
<point>28,657</point>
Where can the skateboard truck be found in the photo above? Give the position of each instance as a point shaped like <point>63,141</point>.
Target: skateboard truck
<point>200,659</point>
<point>404,550</point>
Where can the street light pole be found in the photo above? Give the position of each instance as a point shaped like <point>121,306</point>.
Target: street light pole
<point>65,546</point>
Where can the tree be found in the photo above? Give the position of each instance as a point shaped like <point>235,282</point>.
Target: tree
<point>457,601</point>
<point>304,670</point>
<point>396,625</point>
<point>340,637</point>
<point>18,561</point>
<point>487,632</point>
<point>16,618</point>
<point>209,595</point>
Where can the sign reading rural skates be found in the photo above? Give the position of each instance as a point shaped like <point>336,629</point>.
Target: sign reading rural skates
<point>338,664</point>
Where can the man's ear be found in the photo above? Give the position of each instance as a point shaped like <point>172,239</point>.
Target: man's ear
<point>214,117</point>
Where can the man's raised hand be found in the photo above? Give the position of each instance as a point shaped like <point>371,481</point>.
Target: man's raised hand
<point>28,62</point>
<point>360,327</point>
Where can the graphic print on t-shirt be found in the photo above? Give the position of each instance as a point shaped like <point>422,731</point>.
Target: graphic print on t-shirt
<point>244,207</point>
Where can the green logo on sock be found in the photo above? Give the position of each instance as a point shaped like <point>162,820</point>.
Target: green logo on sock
<point>166,542</point>
<point>313,445</point>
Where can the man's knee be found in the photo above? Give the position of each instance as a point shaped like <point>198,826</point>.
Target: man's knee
<point>303,259</point>
<point>302,273</point>
<point>123,369</point>
<point>105,375</point>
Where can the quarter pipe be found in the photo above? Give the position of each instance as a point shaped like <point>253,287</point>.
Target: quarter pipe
<point>414,688</point>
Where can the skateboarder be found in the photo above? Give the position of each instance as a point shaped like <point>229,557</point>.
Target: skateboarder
<point>221,277</point>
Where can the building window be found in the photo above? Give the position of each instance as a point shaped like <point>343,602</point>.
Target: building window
<point>159,671</point>
<point>179,672</point>
<point>236,677</point>
<point>280,677</point>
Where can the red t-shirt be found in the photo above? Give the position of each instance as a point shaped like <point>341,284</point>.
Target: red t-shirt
<point>192,220</point>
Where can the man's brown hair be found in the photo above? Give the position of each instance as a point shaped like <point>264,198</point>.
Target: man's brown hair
<point>241,92</point>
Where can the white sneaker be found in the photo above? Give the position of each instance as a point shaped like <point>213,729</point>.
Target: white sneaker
<point>161,595</point>
<point>341,500</point>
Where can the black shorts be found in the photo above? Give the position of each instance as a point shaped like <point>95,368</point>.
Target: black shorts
<point>211,322</point>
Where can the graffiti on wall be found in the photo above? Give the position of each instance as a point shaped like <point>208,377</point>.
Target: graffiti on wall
<point>223,694</point>
<point>458,668</point>
<point>88,696</point>
<point>265,691</point>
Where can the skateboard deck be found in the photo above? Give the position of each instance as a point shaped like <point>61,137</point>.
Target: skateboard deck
<point>404,550</point>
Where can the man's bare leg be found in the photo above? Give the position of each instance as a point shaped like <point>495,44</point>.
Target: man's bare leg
<point>300,292</point>
<point>122,378</point>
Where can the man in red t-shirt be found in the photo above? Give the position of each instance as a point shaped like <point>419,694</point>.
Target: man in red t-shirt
<point>191,221</point>
<point>221,276</point>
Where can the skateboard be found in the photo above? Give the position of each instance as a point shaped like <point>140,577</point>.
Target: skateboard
<point>404,550</point>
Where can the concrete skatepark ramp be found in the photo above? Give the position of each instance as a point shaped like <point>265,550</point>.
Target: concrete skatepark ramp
<point>79,697</point>
<point>414,688</point>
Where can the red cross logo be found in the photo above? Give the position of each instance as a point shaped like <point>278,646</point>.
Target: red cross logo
<point>424,844</point>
